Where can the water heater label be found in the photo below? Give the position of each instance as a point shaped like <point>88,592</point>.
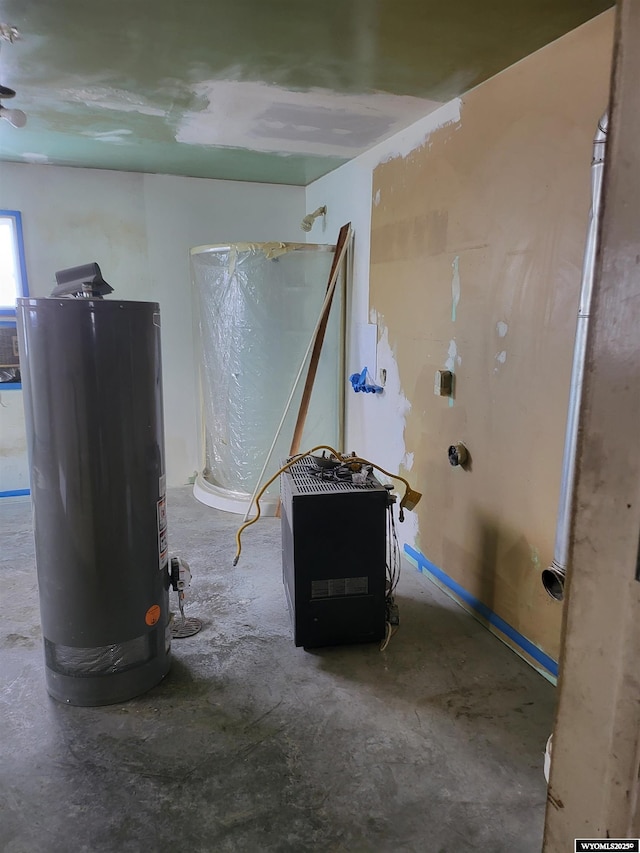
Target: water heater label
<point>152,615</point>
<point>162,514</point>
<point>163,545</point>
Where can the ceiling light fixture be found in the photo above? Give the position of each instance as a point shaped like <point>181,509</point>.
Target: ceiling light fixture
<point>16,118</point>
<point>9,33</point>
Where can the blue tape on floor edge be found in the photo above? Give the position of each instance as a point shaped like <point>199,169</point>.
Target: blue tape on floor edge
<point>17,493</point>
<point>492,618</point>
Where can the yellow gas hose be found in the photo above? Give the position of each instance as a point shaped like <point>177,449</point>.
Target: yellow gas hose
<point>410,496</point>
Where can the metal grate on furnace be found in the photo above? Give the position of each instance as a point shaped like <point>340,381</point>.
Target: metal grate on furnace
<point>308,482</point>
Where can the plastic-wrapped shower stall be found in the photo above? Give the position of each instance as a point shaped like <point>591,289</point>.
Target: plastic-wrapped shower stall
<point>257,305</point>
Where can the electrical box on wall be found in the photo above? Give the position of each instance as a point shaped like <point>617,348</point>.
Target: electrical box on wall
<point>443,384</point>
<point>333,557</point>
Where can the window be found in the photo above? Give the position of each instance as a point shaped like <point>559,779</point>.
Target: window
<point>13,273</point>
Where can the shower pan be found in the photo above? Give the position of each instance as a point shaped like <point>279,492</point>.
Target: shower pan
<point>256,308</point>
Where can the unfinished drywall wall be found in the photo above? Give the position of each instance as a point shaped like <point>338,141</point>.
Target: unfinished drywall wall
<point>139,228</point>
<point>476,253</point>
<point>374,428</point>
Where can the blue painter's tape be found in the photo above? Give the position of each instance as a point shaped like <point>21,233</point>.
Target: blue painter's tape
<point>16,493</point>
<point>10,386</point>
<point>492,618</point>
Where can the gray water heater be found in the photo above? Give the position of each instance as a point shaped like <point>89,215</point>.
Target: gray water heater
<point>91,378</point>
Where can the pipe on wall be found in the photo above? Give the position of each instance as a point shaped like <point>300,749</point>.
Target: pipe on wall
<point>553,578</point>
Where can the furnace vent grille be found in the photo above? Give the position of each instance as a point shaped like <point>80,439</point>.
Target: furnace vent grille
<point>307,483</point>
<point>339,587</point>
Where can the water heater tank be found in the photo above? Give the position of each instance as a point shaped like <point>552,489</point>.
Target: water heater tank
<point>91,378</point>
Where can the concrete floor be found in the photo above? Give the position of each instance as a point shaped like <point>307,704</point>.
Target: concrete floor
<point>250,744</point>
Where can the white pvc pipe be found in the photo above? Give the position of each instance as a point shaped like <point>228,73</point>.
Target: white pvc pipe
<point>553,577</point>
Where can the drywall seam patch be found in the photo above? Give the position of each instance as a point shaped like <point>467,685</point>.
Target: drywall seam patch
<point>108,98</point>
<point>35,158</point>
<point>414,136</point>
<point>273,119</point>
<point>391,410</point>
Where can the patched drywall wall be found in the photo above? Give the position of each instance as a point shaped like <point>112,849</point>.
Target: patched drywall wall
<point>139,228</point>
<point>476,255</point>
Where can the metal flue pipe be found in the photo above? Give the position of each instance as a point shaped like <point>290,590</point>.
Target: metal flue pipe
<point>553,578</point>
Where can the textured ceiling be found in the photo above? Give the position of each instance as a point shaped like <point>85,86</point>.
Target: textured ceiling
<point>263,90</point>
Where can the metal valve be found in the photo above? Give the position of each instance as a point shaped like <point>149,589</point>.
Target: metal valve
<point>184,574</point>
<point>180,578</point>
<point>180,574</point>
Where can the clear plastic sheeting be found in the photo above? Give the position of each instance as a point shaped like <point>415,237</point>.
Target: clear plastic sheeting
<point>99,660</point>
<point>256,309</point>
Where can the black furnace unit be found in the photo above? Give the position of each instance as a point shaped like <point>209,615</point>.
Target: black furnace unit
<point>333,556</point>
